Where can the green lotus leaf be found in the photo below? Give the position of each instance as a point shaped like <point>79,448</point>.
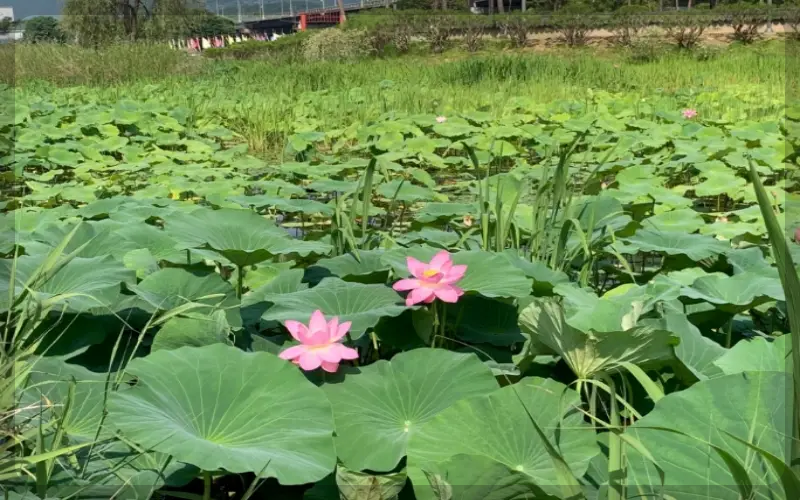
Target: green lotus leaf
<point>433,211</point>
<point>483,320</point>
<point>683,220</point>
<point>256,301</point>
<point>588,353</point>
<point>343,266</point>
<point>455,128</point>
<point>362,304</point>
<point>489,426</point>
<point>333,186</point>
<point>694,246</point>
<point>431,236</point>
<point>751,406</point>
<point>757,355</point>
<point>192,329</point>
<point>113,470</point>
<point>740,291</point>
<point>278,187</point>
<point>473,477</point>
<point>697,353</point>
<point>488,273</point>
<point>217,407</point>
<point>405,191</point>
<point>79,285</point>
<point>283,204</point>
<point>544,278</point>
<point>157,241</point>
<point>378,410</point>
<point>173,287</point>
<point>716,185</point>
<point>48,387</point>
<point>241,236</point>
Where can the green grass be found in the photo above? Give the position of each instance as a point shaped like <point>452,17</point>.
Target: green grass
<point>266,100</point>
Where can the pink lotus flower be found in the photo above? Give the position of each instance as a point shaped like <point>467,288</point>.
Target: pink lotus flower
<point>441,119</point>
<point>319,343</point>
<point>432,281</point>
<point>689,113</point>
<point>797,235</point>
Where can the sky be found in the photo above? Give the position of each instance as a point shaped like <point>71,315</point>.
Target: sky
<point>25,8</point>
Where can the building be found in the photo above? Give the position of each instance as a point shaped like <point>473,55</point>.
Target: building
<point>16,31</point>
<point>7,12</point>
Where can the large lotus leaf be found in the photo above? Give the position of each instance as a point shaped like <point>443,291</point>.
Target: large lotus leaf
<point>498,427</point>
<point>696,247</point>
<point>683,220</point>
<point>379,409</point>
<point>283,204</point>
<point>192,329</point>
<point>430,236</point>
<point>217,407</point>
<point>172,287</point>
<point>751,406</point>
<point>240,236</point>
<point>488,273</point>
<point>757,355</point>
<point>157,241</point>
<point>48,388</point>
<point>97,239</point>
<point>406,191</point>
<point>367,262</point>
<point>588,353</point>
<point>740,291</point>
<point>544,278</point>
<point>113,470</point>
<point>79,285</point>
<point>481,320</point>
<point>618,309</point>
<point>473,477</point>
<point>362,304</point>
<point>697,353</point>
<point>433,211</point>
<point>255,302</point>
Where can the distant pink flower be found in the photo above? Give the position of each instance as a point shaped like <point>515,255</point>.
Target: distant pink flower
<point>689,113</point>
<point>797,235</point>
<point>441,119</point>
<point>319,343</point>
<point>432,281</point>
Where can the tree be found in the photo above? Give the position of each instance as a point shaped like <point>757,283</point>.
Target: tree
<point>6,24</point>
<point>43,29</point>
<point>97,22</point>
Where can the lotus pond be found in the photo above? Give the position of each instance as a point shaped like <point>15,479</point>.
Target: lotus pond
<point>572,300</point>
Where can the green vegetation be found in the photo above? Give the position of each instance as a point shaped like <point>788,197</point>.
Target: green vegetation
<point>567,274</point>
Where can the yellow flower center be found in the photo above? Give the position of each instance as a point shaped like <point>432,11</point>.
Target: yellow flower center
<point>430,273</point>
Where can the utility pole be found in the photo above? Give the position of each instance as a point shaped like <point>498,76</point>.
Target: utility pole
<point>239,7</point>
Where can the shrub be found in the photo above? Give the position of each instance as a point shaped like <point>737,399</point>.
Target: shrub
<point>334,44</point>
<point>517,27</point>
<point>646,50</point>
<point>44,29</point>
<point>746,21</point>
<point>574,23</point>
<point>436,30</point>
<point>792,17</point>
<point>401,36</point>
<point>628,21</point>
<point>685,30</point>
<point>472,30</point>
<point>289,48</point>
